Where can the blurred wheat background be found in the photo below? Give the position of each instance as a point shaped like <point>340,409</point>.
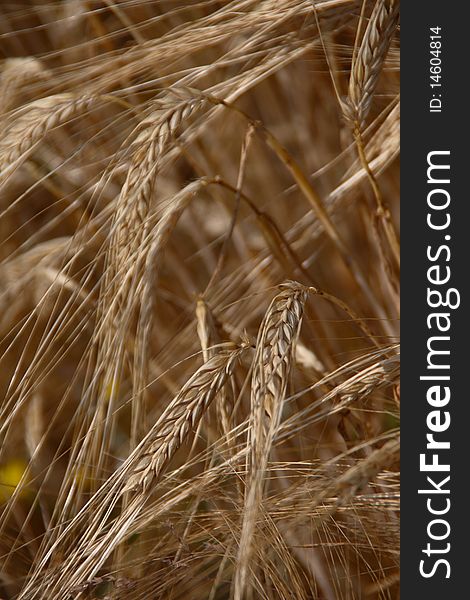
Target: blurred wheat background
<point>199,271</point>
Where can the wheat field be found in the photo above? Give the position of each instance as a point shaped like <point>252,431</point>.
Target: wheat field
<point>199,299</point>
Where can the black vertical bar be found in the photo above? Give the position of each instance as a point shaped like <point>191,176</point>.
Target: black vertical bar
<point>435,119</point>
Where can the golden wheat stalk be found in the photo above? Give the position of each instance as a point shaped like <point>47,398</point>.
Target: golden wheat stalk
<point>209,334</point>
<point>275,348</point>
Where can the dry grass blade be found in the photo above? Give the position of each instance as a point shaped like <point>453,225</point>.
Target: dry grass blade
<point>159,237</point>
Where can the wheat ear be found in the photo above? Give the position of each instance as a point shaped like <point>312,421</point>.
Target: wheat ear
<point>182,415</point>
<point>366,68</point>
<point>28,125</point>
<point>154,133</point>
<point>369,59</point>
